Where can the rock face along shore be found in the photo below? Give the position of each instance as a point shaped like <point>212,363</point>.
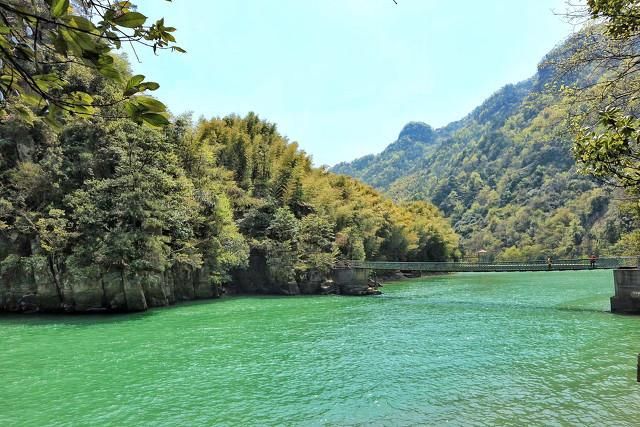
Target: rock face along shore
<point>31,287</point>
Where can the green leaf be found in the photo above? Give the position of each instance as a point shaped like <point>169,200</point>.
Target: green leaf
<point>5,43</point>
<point>130,20</point>
<point>32,99</point>
<point>149,86</point>
<point>80,102</point>
<point>110,72</point>
<point>78,42</point>
<point>113,38</point>
<point>24,51</point>
<point>132,111</point>
<point>105,60</point>
<point>81,23</point>
<point>167,37</point>
<point>60,44</point>
<point>134,81</point>
<point>6,79</point>
<point>52,118</point>
<point>25,114</point>
<point>150,104</point>
<point>155,119</point>
<point>59,7</point>
<point>49,81</point>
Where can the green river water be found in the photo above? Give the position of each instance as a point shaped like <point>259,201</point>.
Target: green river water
<point>464,349</point>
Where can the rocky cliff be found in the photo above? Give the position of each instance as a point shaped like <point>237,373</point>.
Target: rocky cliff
<point>260,278</point>
<point>28,285</point>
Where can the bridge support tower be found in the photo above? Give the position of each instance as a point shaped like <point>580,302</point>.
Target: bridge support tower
<point>627,291</point>
<point>353,281</point>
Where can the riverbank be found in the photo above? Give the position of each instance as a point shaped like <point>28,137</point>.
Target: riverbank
<point>31,288</point>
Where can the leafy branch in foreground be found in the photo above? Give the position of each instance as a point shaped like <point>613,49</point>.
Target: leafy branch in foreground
<point>612,152</point>
<point>39,38</point>
<point>622,17</point>
<point>600,66</point>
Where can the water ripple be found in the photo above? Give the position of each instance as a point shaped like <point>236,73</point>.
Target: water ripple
<point>468,349</point>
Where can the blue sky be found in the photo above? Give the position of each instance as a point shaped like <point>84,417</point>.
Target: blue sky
<point>341,77</point>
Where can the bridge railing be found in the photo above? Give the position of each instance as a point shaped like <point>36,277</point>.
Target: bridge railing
<point>453,266</point>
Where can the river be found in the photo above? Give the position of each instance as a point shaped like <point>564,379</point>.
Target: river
<point>463,349</point>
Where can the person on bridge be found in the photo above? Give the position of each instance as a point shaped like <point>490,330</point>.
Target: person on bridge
<point>549,263</point>
<point>592,261</point>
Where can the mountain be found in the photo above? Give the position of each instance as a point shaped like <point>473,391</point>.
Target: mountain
<point>504,174</point>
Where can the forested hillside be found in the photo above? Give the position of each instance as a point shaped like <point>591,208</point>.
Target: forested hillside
<point>505,174</point>
<point>105,213</point>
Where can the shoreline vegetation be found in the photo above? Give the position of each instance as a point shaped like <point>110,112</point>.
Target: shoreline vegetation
<point>116,216</point>
<point>389,278</point>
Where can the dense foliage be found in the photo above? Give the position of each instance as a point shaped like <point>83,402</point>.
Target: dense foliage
<point>113,195</point>
<point>304,217</point>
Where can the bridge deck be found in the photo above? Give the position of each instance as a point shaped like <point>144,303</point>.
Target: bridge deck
<point>559,265</point>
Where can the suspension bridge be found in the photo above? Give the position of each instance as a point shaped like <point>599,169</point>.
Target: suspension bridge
<point>493,266</point>
<point>354,277</point>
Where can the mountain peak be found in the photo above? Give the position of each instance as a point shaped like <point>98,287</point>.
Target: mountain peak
<point>417,131</point>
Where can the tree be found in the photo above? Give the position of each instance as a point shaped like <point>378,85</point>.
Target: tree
<point>611,152</point>
<point>605,121</point>
<point>39,39</point>
<point>621,16</point>
<point>317,250</point>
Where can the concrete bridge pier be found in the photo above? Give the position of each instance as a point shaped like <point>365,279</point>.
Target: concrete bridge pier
<point>354,281</point>
<point>627,291</point>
